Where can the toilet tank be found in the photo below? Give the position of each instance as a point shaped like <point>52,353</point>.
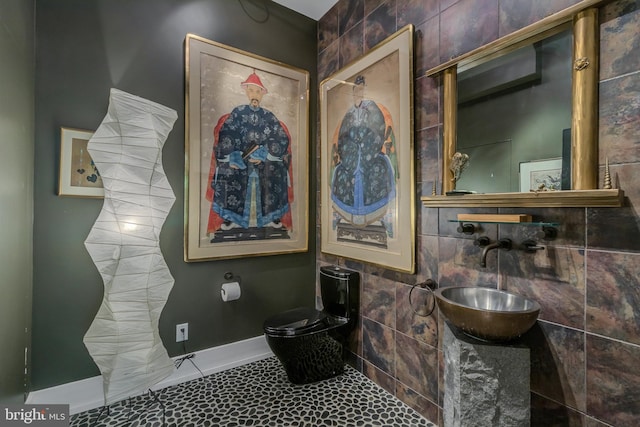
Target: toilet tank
<point>340,291</point>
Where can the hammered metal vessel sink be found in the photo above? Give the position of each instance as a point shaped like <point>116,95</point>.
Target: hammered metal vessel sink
<point>487,314</point>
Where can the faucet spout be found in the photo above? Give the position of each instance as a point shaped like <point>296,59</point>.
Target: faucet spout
<point>500,244</point>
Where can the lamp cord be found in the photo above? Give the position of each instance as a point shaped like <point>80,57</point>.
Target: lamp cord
<point>189,357</point>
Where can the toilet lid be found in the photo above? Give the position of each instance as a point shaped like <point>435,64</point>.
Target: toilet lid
<point>295,322</point>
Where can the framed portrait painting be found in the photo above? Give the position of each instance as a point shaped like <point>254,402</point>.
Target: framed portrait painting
<point>246,154</point>
<point>78,175</point>
<point>367,183</point>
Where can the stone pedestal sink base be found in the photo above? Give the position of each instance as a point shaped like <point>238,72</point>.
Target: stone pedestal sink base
<point>486,384</point>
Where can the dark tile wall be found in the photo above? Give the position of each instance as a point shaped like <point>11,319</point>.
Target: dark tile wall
<point>586,345</point>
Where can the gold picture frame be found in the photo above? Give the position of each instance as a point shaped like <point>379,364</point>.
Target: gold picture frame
<point>247,161</point>
<point>367,163</point>
<point>78,175</point>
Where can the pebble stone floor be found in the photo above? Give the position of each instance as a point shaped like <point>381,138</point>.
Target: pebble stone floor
<point>259,394</point>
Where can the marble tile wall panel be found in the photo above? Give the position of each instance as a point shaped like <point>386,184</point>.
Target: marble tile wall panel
<point>379,300</point>
<point>614,229</point>
<point>426,148</point>
<point>619,44</point>
<point>378,345</point>
<point>379,24</point>
<point>426,106</point>
<point>620,119</point>
<point>352,44</point>
<point>557,364</point>
<point>380,377</point>
<point>416,11</point>
<point>613,295</point>
<point>424,406</point>
<point>328,29</point>
<point>517,14</point>
<point>328,61</point>
<point>554,275</point>
<point>458,265</point>
<point>570,229</point>
<point>613,381</point>
<point>467,25</point>
<point>372,5</point>
<point>427,258</point>
<point>416,363</point>
<point>547,413</point>
<point>349,14</point>
<point>427,46</point>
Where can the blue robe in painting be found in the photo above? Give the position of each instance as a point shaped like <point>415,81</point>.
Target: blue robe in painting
<point>363,182</point>
<point>251,133</point>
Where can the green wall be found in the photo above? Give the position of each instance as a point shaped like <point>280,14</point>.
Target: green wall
<point>83,49</point>
<point>16,188</point>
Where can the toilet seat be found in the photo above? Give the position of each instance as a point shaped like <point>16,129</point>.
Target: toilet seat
<point>300,321</point>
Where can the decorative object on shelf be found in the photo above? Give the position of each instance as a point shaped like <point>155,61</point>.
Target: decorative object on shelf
<point>78,175</point>
<point>123,339</point>
<point>433,188</point>
<point>367,180</point>
<point>607,175</point>
<point>247,158</point>
<point>459,163</point>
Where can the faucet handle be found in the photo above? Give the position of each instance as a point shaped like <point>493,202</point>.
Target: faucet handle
<point>530,245</point>
<point>482,241</point>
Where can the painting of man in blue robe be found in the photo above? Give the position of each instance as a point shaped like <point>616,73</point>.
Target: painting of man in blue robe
<point>364,176</point>
<point>250,175</point>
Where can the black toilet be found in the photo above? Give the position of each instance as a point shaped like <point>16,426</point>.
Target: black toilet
<point>309,342</point>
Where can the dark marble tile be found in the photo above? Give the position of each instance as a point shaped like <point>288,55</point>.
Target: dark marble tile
<point>613,295</point>
<point>547,413</point>
<point>557,364</point>
<point>427,258</point>
<point>459,264</point>
<point>408,322</point>
<point>378,345</point>
<point>444,4</point>
<point>379,377</point>
<point>625,177</point>
<point>517,14</point>
<point>619,41</point>
<point>570,229</point>
<point>428,217</point>
<point>613,381</point>
<point>423,406</point>
<point>352,45</point>
<point>614,228</point>
<point>620,119</point>
<point>372,5</point>
<point>467,25</point>
<point>416,11</point>
<point>417,366</point>
<point>380,24</point>
<point>328,61</point>
<point>427,108</point>
<point>427,47</point>
<point>328,28</point>
<point>354,340</point>
<point>427,142</point>
<point>592,422</point>
<point>379,300</point>
<point>554,277</point>
<point>350,13</point>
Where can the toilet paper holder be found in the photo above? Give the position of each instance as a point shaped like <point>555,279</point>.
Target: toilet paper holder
<point>230,290</point>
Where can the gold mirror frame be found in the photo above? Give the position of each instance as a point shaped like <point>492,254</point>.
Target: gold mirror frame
<point>584,129</point>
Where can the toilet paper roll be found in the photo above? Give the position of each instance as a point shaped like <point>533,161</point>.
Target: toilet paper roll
<point>230,291</point>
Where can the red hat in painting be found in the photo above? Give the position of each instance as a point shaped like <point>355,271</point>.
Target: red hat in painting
<point>253,79</point>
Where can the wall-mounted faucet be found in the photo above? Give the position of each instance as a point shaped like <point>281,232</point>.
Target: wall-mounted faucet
<point>500,244</point>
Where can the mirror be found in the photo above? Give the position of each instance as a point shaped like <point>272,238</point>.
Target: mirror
<point>514,119</point>
<point>582,156</point>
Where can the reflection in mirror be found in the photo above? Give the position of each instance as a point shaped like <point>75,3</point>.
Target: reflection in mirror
<point>514,119</point>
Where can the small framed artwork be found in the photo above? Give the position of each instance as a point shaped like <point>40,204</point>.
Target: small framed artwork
<point>78,175</point>
<point>541,175</point>
<point>247,161</point>
<point>367,180</point>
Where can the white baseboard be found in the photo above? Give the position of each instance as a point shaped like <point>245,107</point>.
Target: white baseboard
<point>88,394</point>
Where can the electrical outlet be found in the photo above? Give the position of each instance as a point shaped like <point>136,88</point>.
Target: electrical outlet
<point>182,332</point>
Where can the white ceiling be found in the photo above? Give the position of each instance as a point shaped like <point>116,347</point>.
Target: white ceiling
<point>314,9</point>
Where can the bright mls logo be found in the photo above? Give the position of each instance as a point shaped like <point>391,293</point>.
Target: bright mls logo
<point>34,415</point>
